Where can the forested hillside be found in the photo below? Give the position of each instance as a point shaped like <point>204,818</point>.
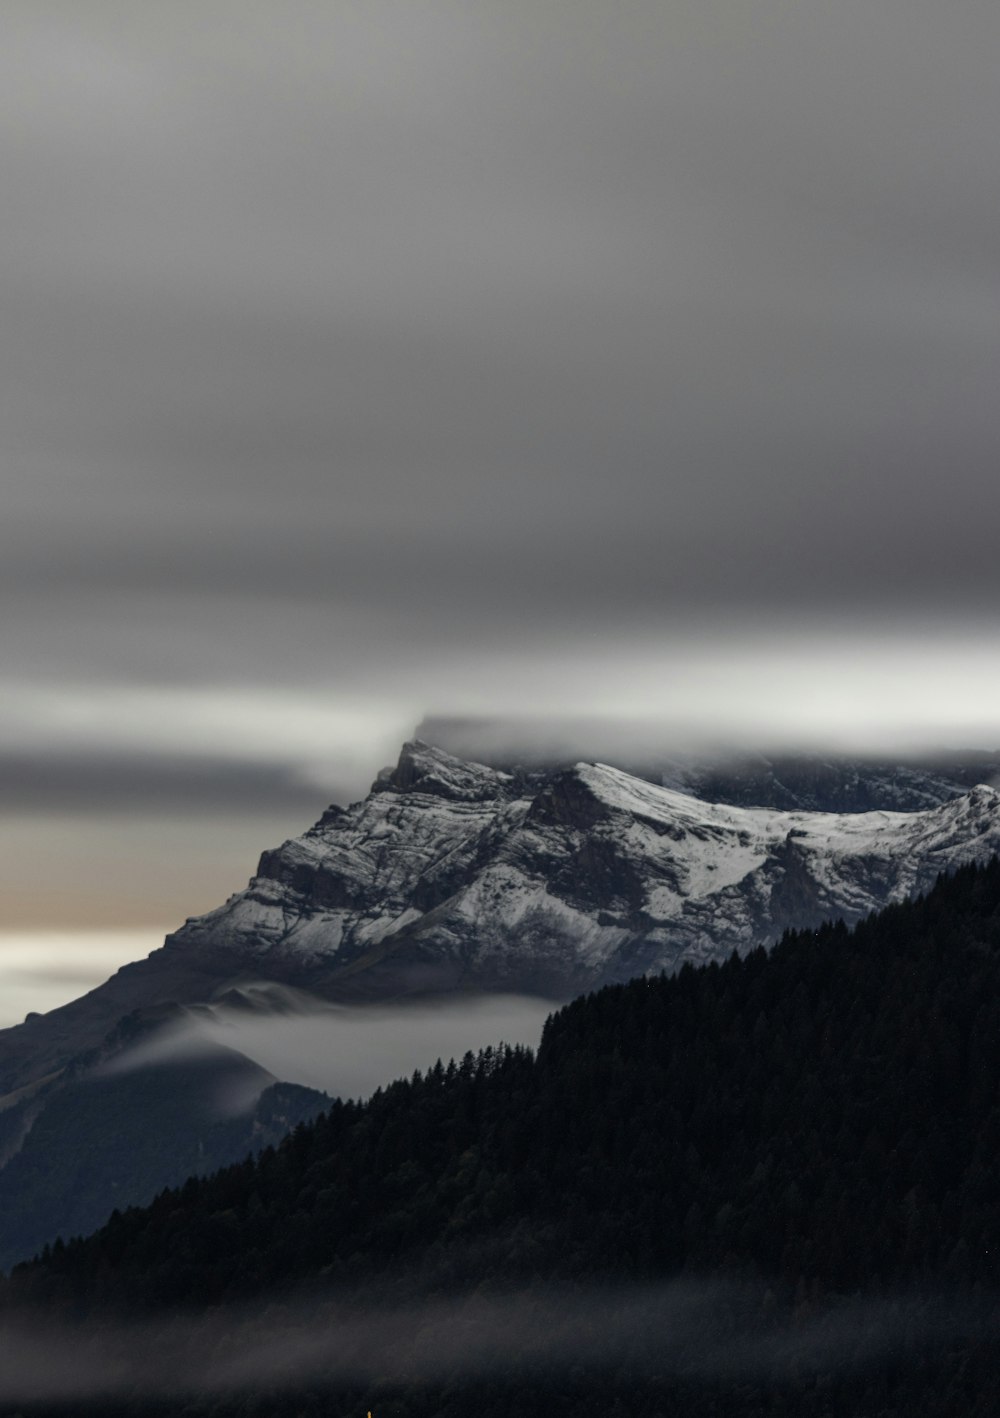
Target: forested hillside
<point>815,1127</point>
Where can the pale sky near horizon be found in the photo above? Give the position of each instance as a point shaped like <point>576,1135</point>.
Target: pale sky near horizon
<point>366,360</point>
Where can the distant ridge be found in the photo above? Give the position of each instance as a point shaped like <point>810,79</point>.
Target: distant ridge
<point>805,781</point>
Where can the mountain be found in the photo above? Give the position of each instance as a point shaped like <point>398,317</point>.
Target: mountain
<point>761,1188</point>
<point>452,875</point>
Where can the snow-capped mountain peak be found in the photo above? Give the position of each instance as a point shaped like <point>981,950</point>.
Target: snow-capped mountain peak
<point>460,874</point>
<point>452,874</point>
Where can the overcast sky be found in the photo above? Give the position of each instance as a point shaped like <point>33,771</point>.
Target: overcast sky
<point>364,359</point>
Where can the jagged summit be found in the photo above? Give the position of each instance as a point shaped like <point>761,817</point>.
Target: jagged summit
<point>803,780</point>
<point>422,768</point>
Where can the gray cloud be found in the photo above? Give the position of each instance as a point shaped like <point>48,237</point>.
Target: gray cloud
<point>93,782</point>
<point>485,358</point>
<point>601,315</point>
<point>347,1052</point>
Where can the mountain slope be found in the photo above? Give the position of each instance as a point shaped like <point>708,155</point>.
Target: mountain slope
<point>113,1129</point>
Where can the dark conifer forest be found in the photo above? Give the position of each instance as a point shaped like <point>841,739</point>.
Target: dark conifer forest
<point>813,1132</point>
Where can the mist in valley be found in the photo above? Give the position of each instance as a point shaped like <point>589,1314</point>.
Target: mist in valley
<point>696,1330</point>
<point>347,1052</point>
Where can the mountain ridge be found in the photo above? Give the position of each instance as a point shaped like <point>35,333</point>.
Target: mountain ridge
<point>813,779</point>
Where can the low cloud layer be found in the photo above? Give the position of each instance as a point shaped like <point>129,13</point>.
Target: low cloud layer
<point>106,783</point>
<point>347,1052</point>
<point>41,970</point>
<point>690,1330</point>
